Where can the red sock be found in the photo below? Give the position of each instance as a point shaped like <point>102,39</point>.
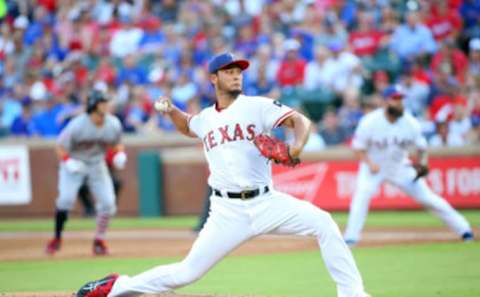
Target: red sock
<point>102,225</point>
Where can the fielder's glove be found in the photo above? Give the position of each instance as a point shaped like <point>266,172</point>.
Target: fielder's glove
<point>422,170</point>
<point>275,149</point>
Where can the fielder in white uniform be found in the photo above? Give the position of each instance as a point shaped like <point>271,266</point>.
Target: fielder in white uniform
<point>81,150</point>
<point>244,203</point>
<point>382,142</point>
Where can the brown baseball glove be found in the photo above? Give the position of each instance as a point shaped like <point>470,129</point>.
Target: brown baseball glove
<point>275,149</point>
<point>422,170</point>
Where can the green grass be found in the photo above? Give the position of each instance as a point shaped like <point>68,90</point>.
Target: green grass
<point>433,270</point>
<point>384,218</point>
<point>46,224</point>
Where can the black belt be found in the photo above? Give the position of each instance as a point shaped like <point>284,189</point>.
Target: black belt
<point>242,195</point>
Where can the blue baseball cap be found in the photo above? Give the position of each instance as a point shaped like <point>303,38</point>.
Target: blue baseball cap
<point>394,92</point>
<point>226,60</point>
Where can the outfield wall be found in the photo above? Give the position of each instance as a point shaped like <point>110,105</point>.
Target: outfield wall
<point>326,178</point>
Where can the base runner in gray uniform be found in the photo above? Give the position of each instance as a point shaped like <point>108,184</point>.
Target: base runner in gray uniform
<point>81,149</point>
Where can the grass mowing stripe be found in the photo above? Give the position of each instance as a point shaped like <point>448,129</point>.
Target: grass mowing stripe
<point>46,224</point>
<point>377,219</point>
<point>433,270</point>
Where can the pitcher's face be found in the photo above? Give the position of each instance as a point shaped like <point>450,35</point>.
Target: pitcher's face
<point>228,80</point>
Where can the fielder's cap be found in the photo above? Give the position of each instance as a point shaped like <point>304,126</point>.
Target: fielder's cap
<point>226,60</point>
<point>394,91</point>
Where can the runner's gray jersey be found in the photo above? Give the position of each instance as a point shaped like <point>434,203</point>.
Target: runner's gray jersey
<point>87,142</point>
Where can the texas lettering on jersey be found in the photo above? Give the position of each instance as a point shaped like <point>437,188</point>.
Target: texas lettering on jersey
<point>384,143</point>
<point>228,133</point>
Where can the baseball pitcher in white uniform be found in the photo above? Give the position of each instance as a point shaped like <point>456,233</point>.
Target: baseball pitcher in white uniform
<point>81,150</point>
<point>244,203</point>
<point>382,142</point>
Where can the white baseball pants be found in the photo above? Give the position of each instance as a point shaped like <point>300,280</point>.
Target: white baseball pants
<point>368,184</point>
<point>99,183</point>
<point>232,222</point>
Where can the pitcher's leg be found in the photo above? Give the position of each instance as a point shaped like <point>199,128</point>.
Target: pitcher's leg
<point>420,191</point>
<point>306,219</point>
<point>367,185</point>
<point>221,234</point>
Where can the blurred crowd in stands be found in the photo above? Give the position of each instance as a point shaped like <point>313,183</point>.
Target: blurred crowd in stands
<point>329,58</point>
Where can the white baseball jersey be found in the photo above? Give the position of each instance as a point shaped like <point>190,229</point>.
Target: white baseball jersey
<point>387,143</point>
<point>234,161</point>
<point>236,165</point>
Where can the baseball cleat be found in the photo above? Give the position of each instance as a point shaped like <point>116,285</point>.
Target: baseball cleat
<point>351,243</point>
<point>97,288</point>
<point>100,247</point>
<point>53,246</point>
<point>467,236</point>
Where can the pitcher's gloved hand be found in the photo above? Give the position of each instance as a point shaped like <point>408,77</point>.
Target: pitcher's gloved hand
<point>422,170</point>
<point>275,149</point>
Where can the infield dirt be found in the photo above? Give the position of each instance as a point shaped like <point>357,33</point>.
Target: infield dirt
<point>176,243</point>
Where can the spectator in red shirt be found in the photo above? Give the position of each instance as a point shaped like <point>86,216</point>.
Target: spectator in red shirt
<point>75,63</point>
<point>50,5</point>
<point>292,68</point>
<point>366,40</point>
<point>443,22</point>
<point>450,56</point>
<point>445,93</point>
<point>419,72</point>
<point>105,71</point>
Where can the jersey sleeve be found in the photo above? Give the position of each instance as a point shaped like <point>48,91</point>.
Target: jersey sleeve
<point>419,139</point>
<point>117,130</point>
<point>65,139</point>
<point>273,113</point>
<point>195,124</point>
<point>360,137</point>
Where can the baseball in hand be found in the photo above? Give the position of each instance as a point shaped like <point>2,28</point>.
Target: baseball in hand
<point>162,106</point>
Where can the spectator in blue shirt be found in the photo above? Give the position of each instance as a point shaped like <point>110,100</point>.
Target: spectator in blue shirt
<point>470,12</point>
<point>131,72</point>
<point>152,38</point>
<point>307,42</point>
<point>45,121</point>
<point>261,86</point>
<point>10,108</point>
<point>412,39</point>
<point>23,125</point>
<point>36,28</point>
